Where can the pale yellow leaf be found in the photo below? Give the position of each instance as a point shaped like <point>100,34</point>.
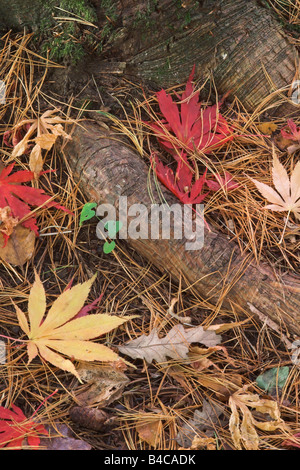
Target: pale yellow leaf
<point>36,305</point>
<point>66,306</point>
<point>58,332</point>
<point>87,327</point>
<point>287,194</point>
<point>22,320</point>
<point>295,183</point>
<point>36,160</point>
<point>46,141</point>
<point>80,350</point>
<point>32,351</point>
<point>57,360</point>
<point>248,432</point>
<point>280,178</point>
<point>234,424</point>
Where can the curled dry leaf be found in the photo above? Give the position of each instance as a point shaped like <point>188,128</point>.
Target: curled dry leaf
<point>243,431</point>
<point>55,334</point>
<point>203,443</point>
<point>104,384</point>
<point>42,132</point>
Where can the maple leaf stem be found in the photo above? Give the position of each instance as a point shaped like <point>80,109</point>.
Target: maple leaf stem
<point>44,401</point>
<point>285,225</point>
<point>14,339</point>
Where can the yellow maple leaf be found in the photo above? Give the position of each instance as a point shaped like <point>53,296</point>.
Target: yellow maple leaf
<point>57,333</point>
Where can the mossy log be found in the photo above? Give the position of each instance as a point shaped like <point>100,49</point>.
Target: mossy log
<point>237,42</point>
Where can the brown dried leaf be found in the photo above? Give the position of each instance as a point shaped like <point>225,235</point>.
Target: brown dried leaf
<point>104,384</point>
<point>203,421</point>
<point>203,443</point>
<point>267,127</point>
<point>244,433</point>
<point>20,246</point>
<point>175,344</point>
<point>150,430</point>
<point>90,418</point>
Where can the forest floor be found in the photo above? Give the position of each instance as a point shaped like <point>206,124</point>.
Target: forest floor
<point>239,393</point>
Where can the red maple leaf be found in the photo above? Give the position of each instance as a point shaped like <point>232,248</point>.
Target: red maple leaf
<point>195,127</point>
<point>19,198</point>
<point>227,182</point>
<point>291,131</point>
<point>15,427</point>
<point>180,184</point>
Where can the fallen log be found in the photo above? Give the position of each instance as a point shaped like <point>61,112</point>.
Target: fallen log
<point>237,42</point>
<point>108,168</point>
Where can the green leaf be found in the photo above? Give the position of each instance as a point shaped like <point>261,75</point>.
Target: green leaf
<point>108,247</point>
<point>273,378</point>
<point>113,227</point>
<point>87,212</point>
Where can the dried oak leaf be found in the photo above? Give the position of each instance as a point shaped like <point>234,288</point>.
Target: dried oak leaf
<point>174,345</point>
<point>56,331</point>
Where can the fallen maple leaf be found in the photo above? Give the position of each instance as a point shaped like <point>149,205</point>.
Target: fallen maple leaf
<point>244,432</point>
<point>55,331</point>
<point>18,197</point>
<point>293,441</point>
<point>47,128</point>
<point>291,133</point>
<point>181,184</point>
<point>193,127</point>
<point>286,195</point>
<point>174,345</point>
<point>15,427</point>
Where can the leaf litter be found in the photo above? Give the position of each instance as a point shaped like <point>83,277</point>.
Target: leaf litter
<point>152,401</point>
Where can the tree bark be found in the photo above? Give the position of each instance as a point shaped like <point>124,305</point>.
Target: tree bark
<point>158,41</point>
<point>108,169</point>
